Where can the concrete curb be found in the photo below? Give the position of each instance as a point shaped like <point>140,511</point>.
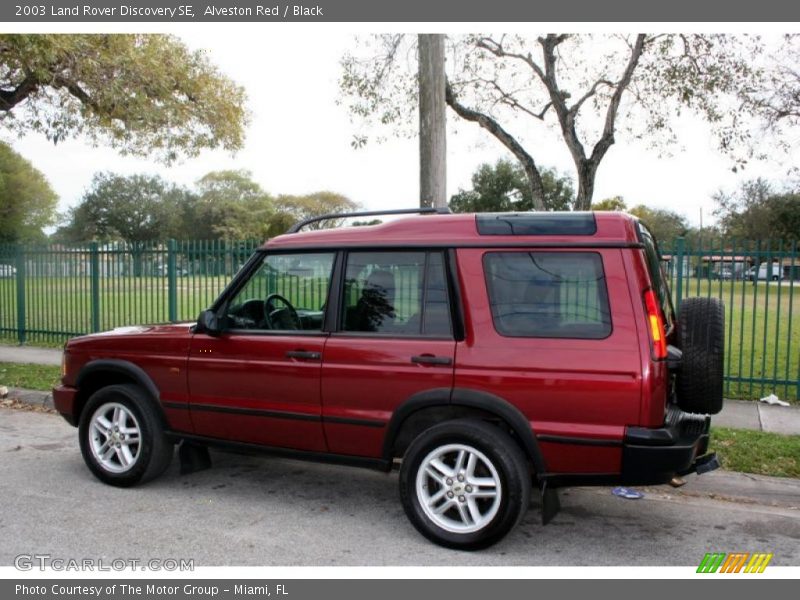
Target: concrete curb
<point>35,398</point>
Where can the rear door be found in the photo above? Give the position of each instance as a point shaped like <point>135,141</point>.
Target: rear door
<point>394,339</point>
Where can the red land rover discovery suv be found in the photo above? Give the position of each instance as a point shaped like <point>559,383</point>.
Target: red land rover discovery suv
<point>490,354</point>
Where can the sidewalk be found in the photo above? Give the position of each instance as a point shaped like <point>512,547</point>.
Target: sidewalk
<point>739,414</point>
<point>30,354</point>
<point>745,414</point>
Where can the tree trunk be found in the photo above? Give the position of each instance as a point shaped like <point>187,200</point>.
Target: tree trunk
<point>432,116</point>
<point>586,174</point>
<point>535,183</point>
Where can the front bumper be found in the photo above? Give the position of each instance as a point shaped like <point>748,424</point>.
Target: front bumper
<point>655,456</point>
<point>64,400</point>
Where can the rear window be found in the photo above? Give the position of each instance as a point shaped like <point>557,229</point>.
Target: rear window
<point>548,294</point>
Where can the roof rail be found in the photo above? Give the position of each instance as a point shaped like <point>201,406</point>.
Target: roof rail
<point>371,213</point>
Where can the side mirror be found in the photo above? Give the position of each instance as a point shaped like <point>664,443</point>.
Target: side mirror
<point>209,323</point>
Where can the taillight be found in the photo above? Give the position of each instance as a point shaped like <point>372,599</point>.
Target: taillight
<point>655,321</point>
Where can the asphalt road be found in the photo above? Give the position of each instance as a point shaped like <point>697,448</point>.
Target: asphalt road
<point>268,511</point>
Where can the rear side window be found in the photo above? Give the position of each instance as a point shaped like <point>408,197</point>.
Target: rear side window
<point>548,294</point>
<point>396,293</point>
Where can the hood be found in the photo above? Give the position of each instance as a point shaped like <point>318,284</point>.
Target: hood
<point>166,329</point>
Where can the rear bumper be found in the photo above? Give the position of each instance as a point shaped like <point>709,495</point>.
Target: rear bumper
<point>655,456</point>
<point>64,401</point>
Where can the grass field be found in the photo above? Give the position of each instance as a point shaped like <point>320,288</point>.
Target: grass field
<point>57,306</point>
<point>30,377</point>
<point>762,332</point>
<point>762,328</point>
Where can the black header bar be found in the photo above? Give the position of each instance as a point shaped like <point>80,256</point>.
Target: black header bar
<point>438,11</point>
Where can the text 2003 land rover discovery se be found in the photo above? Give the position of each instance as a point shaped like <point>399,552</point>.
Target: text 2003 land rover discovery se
<point>492,353</point>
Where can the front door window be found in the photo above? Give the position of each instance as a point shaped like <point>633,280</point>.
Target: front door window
<point>287,293</point>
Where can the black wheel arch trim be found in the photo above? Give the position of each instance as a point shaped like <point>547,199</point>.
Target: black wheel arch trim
<point>122,367</point>
<point>472,399</point>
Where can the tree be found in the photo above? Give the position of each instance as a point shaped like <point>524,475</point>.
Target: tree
<point>142,94</point>
<point>777,101</point>
<point>292,209</point>
<point>134,209</point>
<point>27,202</point>
<point>617,203</point>
<point>587,87</point>
<point>756,211</point>
<point>503,187</point>
<point>665,225</point>
<point>230,205</point>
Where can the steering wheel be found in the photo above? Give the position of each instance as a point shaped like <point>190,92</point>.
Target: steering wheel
<point>285,317</point>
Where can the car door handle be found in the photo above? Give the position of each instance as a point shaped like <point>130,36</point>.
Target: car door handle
<point>303,354</point>
<point>430,359</point>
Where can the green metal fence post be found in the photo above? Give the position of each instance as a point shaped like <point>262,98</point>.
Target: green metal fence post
<point>20,260</point>
<point>680,249</point>
<point>95,273</point>
<point>172,280</point>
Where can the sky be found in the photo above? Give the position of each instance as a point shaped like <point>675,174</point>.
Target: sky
<point>299,138</point>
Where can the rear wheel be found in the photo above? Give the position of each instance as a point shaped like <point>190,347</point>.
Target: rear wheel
<point>702,340</point>
<point>122,438</point>
<point>464,484</point>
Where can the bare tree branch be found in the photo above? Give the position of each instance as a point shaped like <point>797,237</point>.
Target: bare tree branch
<point>496,48</point>
<point>592,91</point>
<point>509,99</point>
<point>607,139</point>
<point>505,138</point>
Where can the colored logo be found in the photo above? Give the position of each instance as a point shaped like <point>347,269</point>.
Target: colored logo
<point>737,562</point>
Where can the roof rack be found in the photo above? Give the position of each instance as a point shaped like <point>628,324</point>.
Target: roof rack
<point>371,213</point>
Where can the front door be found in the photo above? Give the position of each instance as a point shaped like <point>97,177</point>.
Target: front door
<point>259,382</point>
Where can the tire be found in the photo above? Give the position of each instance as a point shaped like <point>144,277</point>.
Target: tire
<point>493,459</point>
<point>116,414</point>
<point>701,330</point>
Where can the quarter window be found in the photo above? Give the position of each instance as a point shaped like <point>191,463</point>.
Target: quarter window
<point>548,294</point>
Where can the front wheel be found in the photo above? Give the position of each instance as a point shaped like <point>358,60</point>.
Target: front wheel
<point>122,438</point>
<point>464,484</point>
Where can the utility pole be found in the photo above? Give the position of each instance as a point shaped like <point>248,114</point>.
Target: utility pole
<point>432,140</point>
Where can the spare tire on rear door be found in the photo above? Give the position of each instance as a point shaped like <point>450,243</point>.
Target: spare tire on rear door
<point>701,334</point>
